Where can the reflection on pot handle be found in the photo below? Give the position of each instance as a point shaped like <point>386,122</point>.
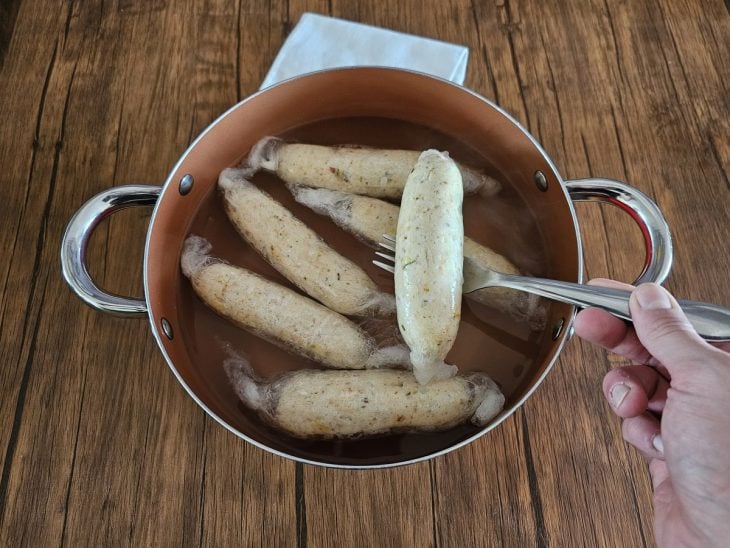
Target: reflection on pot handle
<point>76,239</point>
<point>641,208</point>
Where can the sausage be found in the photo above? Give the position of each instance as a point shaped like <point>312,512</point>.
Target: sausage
<point>520,305</point>
<point>370,218</point>
<point>368,171</point>
<point>429,260</point>
<point>281,315</point>
<point>296,251</point>
<point>347,404</point>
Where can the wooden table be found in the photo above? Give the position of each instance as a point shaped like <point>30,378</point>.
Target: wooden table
<point>99,444</point>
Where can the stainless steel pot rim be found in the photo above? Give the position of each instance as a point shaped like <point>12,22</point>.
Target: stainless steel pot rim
<point>169,186</point>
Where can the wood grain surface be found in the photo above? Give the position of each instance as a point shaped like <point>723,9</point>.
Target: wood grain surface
<point>99,444</point>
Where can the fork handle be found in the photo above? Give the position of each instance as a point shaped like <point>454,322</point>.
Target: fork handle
<point>711,321</point>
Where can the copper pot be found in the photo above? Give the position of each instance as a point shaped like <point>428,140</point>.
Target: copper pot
<point>343,93</point>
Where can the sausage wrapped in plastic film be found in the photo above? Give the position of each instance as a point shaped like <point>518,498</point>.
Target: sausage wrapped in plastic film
<point>281,315</point>
<point>360,170</point>
<point>349,404</point>
<point>429,260</point>
<point>369,218</point>
<point>298,252</point>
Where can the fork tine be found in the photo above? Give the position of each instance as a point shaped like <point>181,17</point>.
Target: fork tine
<point>386,256</point>
<point>384,266</point>
<point>389,245</point>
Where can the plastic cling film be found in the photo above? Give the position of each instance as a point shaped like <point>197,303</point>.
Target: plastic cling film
<point>380,303</point>
<point>335,204</point>
<point>264,155</point>
<point>243,380</point>
<point>491,400</point>
<point>478,183</point>
<point>389,356</point>
<point>426,368</point>
<point>195,255</point>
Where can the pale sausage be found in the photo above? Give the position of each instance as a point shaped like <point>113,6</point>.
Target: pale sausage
<point>281,315</point>
<point>298,252</point>
<point>349,404</point>
<point>360,170</point>
<point>429,259</point>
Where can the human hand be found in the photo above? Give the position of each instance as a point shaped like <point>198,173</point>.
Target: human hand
<point>675,405</point>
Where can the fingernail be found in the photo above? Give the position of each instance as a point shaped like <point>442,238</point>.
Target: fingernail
<point>658,443</point>
<point>618,394</point>
<point>652,297</point>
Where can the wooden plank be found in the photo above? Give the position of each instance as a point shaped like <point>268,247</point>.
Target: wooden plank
<point>248,495</point>
<point>262,25</point>
<point>494,499</point>
<point>119,416</point>
<point>391,507</point>
<point>8,15</point>
<point>30,150</point>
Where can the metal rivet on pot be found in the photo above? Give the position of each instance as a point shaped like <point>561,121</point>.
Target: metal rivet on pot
<point>540,181</point>
<point>558,328</point>
<point>186,185</point>
<point>166,328</point>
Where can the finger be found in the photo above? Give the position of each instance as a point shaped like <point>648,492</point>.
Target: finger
<point>643,433</point>
<point>664,330</point>
<point>658,471</point>
<point>608,331</point>
<point>612,333</point>
<point>634,389</point>
<point>658,400</point>
<point>605,282</point>
<point>724,346</point>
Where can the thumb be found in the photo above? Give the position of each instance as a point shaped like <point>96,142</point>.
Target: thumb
<point>664,330</point>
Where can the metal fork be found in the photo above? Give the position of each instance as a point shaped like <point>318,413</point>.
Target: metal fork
<point>711,321</point>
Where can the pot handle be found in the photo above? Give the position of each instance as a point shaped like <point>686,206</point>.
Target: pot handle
<point>643,210</point>
<point>76,239</point>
